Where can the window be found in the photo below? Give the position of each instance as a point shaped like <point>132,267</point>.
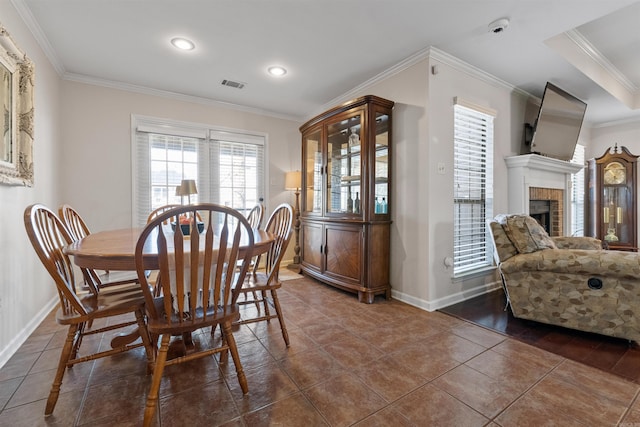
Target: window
<point>577,194</point>
<point>473,188</point>
<point>228,166</point>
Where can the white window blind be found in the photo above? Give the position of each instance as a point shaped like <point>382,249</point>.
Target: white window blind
<point>577,193</point>
<point>473,189</point>
<point>228,166</point>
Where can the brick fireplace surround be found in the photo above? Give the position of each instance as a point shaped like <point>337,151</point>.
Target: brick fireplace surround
<point>555,197</point>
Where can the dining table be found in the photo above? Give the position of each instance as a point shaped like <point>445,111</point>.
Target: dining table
<point>114,250</point>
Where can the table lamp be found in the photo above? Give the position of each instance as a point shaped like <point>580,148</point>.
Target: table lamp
<point>292,182</point>
<point>187,188</point>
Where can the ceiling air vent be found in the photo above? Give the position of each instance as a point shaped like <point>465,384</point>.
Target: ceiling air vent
<point>231,83</point>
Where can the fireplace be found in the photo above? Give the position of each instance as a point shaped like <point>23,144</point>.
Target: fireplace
<point>540,186</point>
<point>540,210</point>
<point>546,205</point>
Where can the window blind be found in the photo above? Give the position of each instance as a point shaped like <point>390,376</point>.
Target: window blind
<point>228,166</point>
<point>473,189</point>
<point>577,194</point>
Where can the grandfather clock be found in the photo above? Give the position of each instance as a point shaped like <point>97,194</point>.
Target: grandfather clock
<point>611,197</point>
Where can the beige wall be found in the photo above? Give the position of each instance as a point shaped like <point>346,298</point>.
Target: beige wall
<point>422,209</point>
<point>26,293</point>
<point>97,146</point>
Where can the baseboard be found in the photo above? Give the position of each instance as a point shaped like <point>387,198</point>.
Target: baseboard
<point>448,300</point>
<point>24,334</point>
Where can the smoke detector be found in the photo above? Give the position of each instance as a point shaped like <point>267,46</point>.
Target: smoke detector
<point>498,26</point>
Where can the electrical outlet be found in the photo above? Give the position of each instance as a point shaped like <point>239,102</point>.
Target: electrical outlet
<point>441,168</point>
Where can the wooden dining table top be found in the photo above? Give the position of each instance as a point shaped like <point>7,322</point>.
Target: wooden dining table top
<point>115,249</point>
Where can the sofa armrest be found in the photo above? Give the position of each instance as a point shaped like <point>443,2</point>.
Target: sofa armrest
<point>575,242</point>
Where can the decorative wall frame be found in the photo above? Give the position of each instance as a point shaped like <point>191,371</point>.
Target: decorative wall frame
<point>16,122</point>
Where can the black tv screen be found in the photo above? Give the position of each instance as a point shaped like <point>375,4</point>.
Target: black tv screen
<point>558,124</point>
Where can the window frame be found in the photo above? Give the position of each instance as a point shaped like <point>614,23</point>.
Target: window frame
<point>578,199</point>
<point>209,137</point>
<point>467,117</point>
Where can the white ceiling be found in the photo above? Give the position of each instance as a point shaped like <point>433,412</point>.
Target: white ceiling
<point>331,46</point>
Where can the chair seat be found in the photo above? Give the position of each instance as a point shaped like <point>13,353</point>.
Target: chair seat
<point>112,278</point>
<point>111,302</point>
<point>214,316</point>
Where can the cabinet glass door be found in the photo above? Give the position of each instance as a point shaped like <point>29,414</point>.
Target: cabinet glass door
<point>381,164</point>
<point>344,160</point>
<point>616,215</point>
<point>312,181</point>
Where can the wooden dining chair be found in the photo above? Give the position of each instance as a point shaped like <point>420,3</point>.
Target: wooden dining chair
<point>78,309</point>
<point>78,229</point>
<point>200,285</point>
<point>267,283</point>
<point>255,216</point>
<point>255,219</point>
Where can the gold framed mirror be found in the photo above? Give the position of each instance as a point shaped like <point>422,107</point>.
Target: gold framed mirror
<point>16,120</point>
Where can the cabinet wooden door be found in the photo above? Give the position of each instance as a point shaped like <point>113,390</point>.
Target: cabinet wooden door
<point>312,246</point>
<point>343,249</point>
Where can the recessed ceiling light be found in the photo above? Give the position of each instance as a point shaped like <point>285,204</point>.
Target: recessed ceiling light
<point>182,44</point>
<point>277,71</point>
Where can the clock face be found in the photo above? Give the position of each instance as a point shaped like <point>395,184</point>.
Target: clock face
<point>614,173</point>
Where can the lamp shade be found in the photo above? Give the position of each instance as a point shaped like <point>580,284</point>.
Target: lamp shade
<point>179,190</point>
<point>188,187</point>
<point>292,180</point>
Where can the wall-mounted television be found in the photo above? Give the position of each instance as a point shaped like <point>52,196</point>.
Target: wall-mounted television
<point>556,130</point>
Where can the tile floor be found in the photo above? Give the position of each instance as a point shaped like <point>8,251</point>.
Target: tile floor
<point>349,364</point>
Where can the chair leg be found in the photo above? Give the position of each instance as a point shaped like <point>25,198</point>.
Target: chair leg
<point>224,356</point>
<point>276,304</point>
<point>78,339</point>
<point>231,342</point>
<point>265,301</point>
<point>65,356</point>
<point>152,398</point>
<point>256,300</point>
<point>146,340</point>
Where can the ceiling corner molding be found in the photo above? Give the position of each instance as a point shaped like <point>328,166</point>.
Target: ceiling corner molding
<point>421,55</point>
<point>79,78</point>
<point>473,71</point>
<point>38,34</point>
<point>427,53</point>
<point>595,55</point>
<point>622,122</point>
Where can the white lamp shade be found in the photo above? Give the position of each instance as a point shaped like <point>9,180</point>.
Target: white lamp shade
<point>292,180</point>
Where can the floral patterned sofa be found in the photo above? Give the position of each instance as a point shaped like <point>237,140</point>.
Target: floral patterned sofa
<point>567,281</point>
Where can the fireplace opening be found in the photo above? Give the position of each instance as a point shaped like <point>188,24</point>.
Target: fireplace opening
<point>540,210</point>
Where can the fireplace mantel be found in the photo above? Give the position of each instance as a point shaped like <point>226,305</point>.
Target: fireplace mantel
<point>542,163</point>
<point>534,170</point>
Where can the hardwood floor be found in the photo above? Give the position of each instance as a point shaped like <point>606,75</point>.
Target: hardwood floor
<point>349,364</point>
<point>613,355</point>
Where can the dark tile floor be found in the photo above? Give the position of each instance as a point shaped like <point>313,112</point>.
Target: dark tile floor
<point>349,364</point>
<point>613,355</point>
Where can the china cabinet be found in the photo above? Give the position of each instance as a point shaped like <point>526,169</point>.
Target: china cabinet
<point>611,197</point>
<point>346,204</point>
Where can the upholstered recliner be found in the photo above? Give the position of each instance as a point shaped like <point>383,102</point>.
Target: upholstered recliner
<point>567,281</point>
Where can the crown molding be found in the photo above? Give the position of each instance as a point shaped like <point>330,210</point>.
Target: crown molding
<point>38,34</point>
<point>476,72</point>
<point>80,78</point>
<point>595,55</point>
<point>424,54</point>
<point>621,122</point>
